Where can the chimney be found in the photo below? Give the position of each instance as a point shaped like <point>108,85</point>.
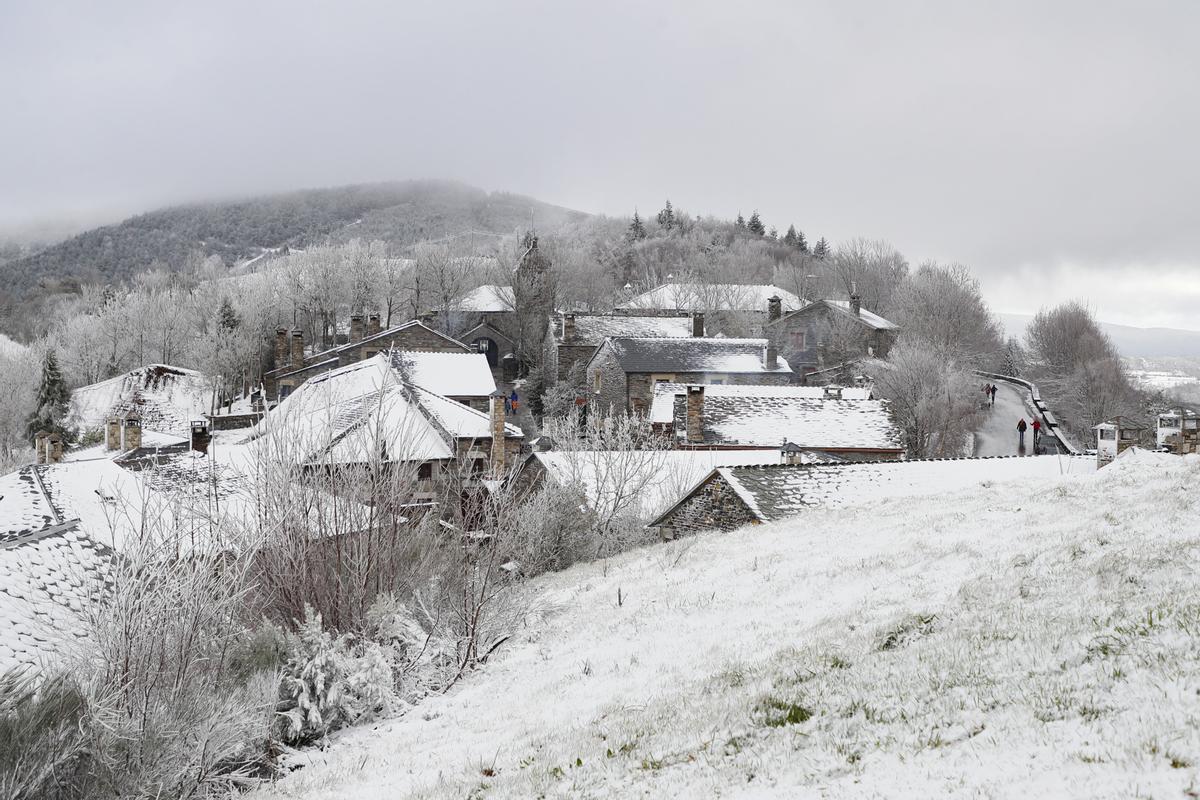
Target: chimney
<point>112,434</point>
<point>774,308</point>
<point>498,454</point>
<point>297,349</point>
<point>373,326</point>
<point>281,347</point>
<point>833,393</point>
<point>695,414</point>
<point>356,328</point>
<point>39,446</point>
<point>200,435</point>
<point>772,359</point>
<point>131,431</point>
<point>54,449</point>
<point>568,329</point>
<point>698,325</point>
<point>855,304</point>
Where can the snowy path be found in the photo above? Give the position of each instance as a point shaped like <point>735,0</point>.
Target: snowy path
<point>998,434</point>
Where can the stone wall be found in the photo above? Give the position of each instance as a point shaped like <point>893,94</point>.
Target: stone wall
<point>612,391</point>
<point>713,506</point>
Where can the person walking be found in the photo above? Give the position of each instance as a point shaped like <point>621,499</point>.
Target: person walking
<point>1037,430</point>
<point>1021,426</point>
<point>993,394</point>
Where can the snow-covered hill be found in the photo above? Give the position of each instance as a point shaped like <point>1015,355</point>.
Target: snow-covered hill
<point>1029,639</point>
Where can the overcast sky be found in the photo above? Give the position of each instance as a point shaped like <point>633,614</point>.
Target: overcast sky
<point>1053,150</point>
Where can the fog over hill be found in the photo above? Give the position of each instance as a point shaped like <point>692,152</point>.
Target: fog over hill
<point>1130,341</point>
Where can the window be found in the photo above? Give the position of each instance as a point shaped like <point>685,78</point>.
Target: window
<point>425,472</point>
<point>595,381</point>
<point>800,340</point>
<point>1108,433</point>
<point>1129,436</point>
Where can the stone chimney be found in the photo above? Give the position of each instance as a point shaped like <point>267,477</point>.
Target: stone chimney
<point>281,348</point>
<point>695,414</point>
<point>39,446</point>
<point>568,329</point>
<point>297,349</point>
<point>373,325</point>
<point>498,452</point>
<point>772,357</point>
<point>833,393</point>
<point>698,325</point>
<point>855,304</point>
<point>774,308</point>
<point>131,431</point>
<point>112,434</point>
<point>356,328</point>
<point>200,435</point>
<point>54,449</point>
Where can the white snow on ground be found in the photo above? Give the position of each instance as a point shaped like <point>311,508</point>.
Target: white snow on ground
<point>1023,639</point>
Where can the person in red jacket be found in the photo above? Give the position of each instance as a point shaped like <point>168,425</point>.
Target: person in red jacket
<point>1037,429</point>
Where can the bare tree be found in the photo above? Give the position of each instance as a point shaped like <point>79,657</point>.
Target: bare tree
<point>932,400</point>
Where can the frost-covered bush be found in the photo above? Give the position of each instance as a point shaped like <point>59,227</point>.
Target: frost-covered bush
<point>554,529</point>
<point>331,681</point>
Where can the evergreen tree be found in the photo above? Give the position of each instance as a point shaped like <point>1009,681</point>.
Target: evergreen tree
<point>636,229</point>
<point>822,248</point>
<point>1013,357</point>
<point>801,242</point>
<point>755,225</point>
<point>666,217</point>
<point>53,398</point>
<point>227,318</point>
<point>789,238</point>
<point>774,233</point>
<point>740,222</point>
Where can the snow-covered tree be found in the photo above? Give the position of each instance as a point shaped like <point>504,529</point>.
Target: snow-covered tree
<point>52,400</point>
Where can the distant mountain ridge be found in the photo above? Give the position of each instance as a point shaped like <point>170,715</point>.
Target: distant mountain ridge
<point>1130,341</point>
<point>399,213</point>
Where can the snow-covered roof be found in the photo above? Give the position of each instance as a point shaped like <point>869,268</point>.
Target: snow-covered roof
<point>868,318</point>
<point>693,354</point>
<point>712,297</point>
<point>774,492</point>
<point>167,399</point>
<point>656,477</point>
<point>487,298</point>
<point>365,411</point>
<point>450,374</point>
<point>593,329</point>
<point>816,423</point>
<point>662,408</point>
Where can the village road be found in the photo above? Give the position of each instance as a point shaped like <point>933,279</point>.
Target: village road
<point>997,436</point>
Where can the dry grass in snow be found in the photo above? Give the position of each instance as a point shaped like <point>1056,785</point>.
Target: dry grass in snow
<point>1010,641</point>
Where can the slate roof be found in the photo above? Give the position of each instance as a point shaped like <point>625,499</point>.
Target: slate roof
<point>593,329</point>
<point>813,423</point>
<point>662,408</point>
<point>167,399</point>
<point>449,374</point>
<point>692,355</point>
<point>329,357</point>
<point>712,297</point>
<point>778,491</point>
<point>868,318</point>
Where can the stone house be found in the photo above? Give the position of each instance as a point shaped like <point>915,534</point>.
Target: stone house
<point>828,333</point>
<point>846,423</point>
<point>621,374</point>
<point>574,338</point>
<point>294,366</point>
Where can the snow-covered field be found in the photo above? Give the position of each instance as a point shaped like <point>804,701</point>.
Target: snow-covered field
<point>1020,639</point>
<point>1161,379</point>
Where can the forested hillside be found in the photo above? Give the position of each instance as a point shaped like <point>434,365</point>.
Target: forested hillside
<point>398,213</point>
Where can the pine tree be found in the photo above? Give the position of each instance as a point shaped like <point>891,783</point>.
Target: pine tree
<point>636,229</point>
<point>789,238</point>
<point>755,225</point>
<point>666,217</point>
<point>822,248</point>
<point>740,222</point>
<point>227,318</point>
<point>53,398</point>
<point>801,242</point>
